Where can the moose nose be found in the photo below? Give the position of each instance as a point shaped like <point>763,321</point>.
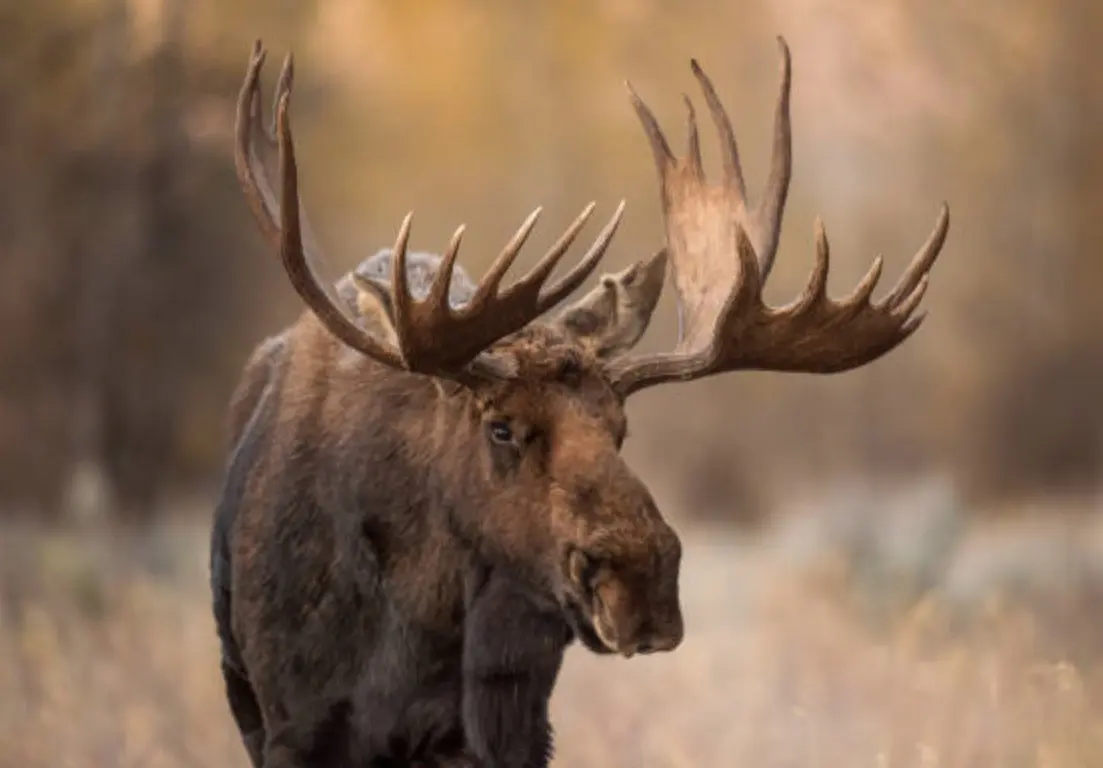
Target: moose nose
<point>659,644</point>
<point>661,641</point>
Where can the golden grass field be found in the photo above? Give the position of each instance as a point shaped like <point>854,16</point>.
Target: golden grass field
<point>108,658</point>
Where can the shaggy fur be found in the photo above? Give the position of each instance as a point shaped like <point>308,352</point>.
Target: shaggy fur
<point>393,586</point>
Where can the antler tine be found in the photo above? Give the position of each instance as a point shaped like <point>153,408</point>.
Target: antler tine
<point>534,280</point>
<point>442,282</point>
<point>585,266</point>
<point>283,85</point>
<point>693,142</point>
<point>253,139</point>
<point>763,220</point>
<point>488,286</point>
<point>266,128</point>
<point>859,296</point>
<point>910,304</point>
<point>733,169</point>
<point>656,139</point>
<point>294,258</point>
<point>402,301</point>
<point>426,335</point>
<point>722,250</point>
<point>923,259</point>
<point>258,193</point>
<point>544,267</point>
<point>816,290</point>
<point>781,165</point>
<point>437,338</point>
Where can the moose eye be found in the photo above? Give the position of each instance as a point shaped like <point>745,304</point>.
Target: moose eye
<point>500,432</point>
<point>583,568</point>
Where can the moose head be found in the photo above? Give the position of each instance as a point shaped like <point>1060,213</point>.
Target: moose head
<point>526,413</point>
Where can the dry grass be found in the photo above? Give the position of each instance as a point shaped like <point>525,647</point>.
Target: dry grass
<point>109,659</point>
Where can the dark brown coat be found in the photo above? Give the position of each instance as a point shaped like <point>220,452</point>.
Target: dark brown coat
<point>502,621</point>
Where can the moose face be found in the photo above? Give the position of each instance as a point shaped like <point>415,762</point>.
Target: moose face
<point>560,495</point>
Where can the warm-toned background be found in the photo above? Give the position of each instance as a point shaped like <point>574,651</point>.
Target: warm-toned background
<point>900,566</point>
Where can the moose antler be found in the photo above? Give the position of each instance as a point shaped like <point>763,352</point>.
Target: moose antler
<point>429,336</point>
<point>721,250</point>
<point>255,145</point>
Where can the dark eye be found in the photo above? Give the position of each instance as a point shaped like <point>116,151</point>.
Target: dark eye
<point>582,568</point>
<point>500,432</point>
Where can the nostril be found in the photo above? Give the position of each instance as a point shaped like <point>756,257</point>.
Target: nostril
<point>664,643</point>
<point>645,647</point>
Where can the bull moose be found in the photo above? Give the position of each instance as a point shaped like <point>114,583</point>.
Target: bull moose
<point>425,503</point>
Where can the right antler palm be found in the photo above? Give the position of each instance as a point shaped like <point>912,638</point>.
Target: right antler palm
<point>721,251</point>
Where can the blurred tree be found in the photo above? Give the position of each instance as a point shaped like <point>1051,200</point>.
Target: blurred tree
<point>119,283</point>
<point>1033,422</point>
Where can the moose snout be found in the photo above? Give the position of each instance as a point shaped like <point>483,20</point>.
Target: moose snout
<point>662,636</point>
<point>660,631</point>
<point>654,642</point>
<point>661,642</point>
<point>637,616</point>
<point>664,628</point>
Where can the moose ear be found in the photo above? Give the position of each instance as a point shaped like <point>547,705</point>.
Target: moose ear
<point>612,317</point>
<point>373,306</point>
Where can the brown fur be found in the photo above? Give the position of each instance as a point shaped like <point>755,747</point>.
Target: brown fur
<point>255,376</point>
<point>380,564</point>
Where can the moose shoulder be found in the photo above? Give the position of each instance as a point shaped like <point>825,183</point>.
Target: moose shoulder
<point>514,644</point>
<point>425,500</point>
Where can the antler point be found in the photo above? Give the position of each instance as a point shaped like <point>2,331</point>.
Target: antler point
<point>283,106</point>
<point>256,58</point>
<point>912,324</point>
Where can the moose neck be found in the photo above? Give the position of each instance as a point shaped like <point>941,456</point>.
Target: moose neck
<point>413,434</point>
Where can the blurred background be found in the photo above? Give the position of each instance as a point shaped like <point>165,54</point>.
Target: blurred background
<point>897,566</point>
